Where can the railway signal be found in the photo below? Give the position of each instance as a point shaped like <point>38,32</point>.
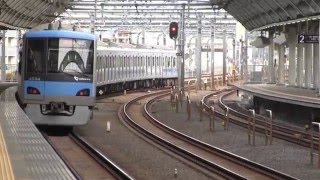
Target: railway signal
<point>173,30</point>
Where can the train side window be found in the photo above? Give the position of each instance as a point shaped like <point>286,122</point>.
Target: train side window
<point>107,64</point>
<point>153,61</point>
<point>110,61</point>
<point>157,61</point>
<point>114,59</point>
<point>107,61</point>
<point>173,62</point>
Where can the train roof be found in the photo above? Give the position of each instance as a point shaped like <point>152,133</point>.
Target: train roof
<point>101,48</point>
<point>59,34</point>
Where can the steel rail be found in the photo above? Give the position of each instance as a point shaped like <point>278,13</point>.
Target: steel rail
<point>215,150</point>
<point>101,158</point>
<point>174,148</point>
<point>279,131</point>
<point>70,167</point>
<point>187,154</point>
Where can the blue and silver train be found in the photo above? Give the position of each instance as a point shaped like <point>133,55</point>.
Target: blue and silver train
<point>134,68</point>
<point>57,83</point>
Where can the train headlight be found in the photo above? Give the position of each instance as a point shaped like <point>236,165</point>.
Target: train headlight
<point>83,92</point>
<point>32,90</point>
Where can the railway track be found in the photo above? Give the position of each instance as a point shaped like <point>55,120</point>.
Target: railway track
<point>241,118</point>
<point>85,161</point>
<point>222,163</point>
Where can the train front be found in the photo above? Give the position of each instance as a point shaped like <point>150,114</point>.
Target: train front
<point>59,79</point>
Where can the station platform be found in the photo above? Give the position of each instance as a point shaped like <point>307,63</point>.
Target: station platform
<point>286,94</point>
<point>24,153</point>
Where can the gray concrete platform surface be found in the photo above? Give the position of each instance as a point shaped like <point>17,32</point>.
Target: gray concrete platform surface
<point>30,156</point>
<point>280,93</point>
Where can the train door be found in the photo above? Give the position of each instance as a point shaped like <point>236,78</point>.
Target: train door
<point>34,77</point>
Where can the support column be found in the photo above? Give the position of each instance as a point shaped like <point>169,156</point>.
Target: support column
<point>292,56</point>
<point>281,69</point>
<point>319,57</point>
<point>212,54</point>
<point>3,56</point>
<point>300,59</point>
<point>198,54</point>
<point>316,66</point>
<point>272,78</point>
<point>224,65</point>
<point>308,65</point>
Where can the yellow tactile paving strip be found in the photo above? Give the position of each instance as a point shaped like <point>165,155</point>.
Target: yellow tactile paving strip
<point>5,164</point>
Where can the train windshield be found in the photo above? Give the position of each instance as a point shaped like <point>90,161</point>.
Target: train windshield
<point>36,53</point>
<point>70,56</point>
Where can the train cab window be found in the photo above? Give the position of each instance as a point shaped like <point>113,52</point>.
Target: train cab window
<point>35,55</point>
<point>70,55</point>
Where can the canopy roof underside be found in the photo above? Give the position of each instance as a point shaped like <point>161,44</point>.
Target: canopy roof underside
<point>253,14</point>
<point>27,14</point>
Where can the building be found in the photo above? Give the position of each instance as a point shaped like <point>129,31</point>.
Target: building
<point>11,53</point>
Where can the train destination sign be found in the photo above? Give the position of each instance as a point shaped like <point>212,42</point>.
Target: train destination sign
<point>303,38</point>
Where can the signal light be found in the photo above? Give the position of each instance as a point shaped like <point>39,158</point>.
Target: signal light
<point>32,90</point>
<point>173,30</point>
<point>83,92</point>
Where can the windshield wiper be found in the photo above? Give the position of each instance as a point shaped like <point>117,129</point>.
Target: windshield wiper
<point>78,72</point>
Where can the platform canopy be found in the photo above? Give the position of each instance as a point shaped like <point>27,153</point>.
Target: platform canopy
<point>29,13</point>
<point>152,15</point>
<point>254,14</point>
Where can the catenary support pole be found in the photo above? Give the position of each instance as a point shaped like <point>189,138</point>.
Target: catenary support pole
<point>183,40</point>
<point>212,54</point>
<point>224,65</point>
<point>198,54</point>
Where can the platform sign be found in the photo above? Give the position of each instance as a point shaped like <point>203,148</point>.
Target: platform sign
<point>303,38</point>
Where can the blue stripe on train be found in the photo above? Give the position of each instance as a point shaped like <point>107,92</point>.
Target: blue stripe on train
<point>52,88</point>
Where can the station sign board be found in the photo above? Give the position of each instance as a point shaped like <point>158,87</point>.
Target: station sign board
<point>303,38</point>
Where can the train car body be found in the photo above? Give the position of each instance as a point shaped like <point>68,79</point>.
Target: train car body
<point>128,68</point>
<point>57,83</point>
